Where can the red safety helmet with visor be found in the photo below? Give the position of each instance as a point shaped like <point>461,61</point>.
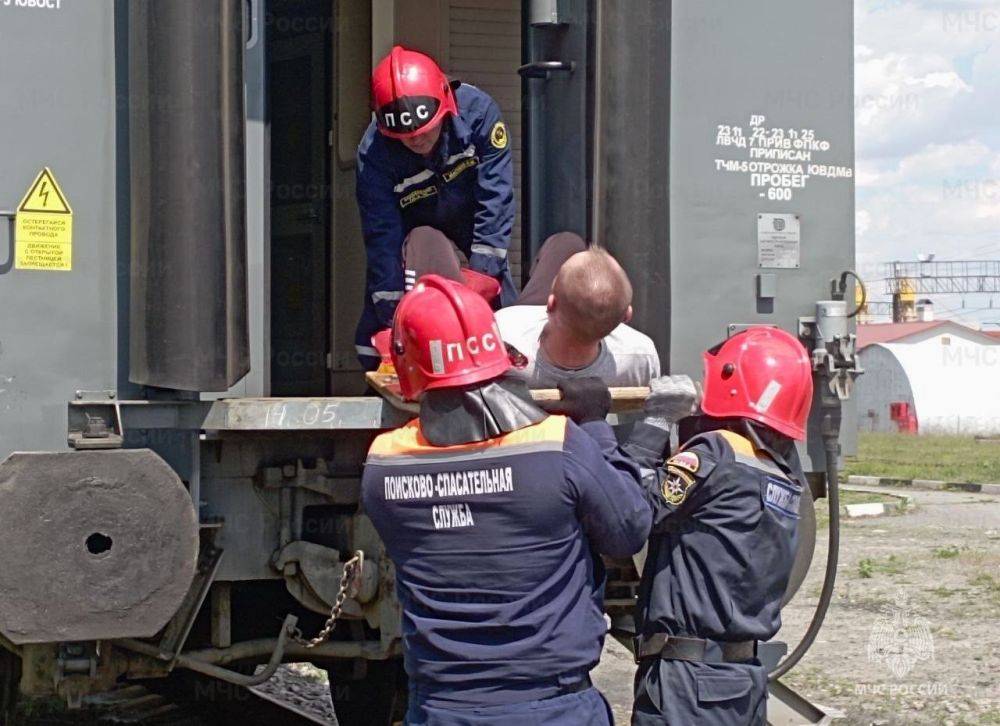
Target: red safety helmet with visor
<point>762,374</point>
<point>444,335</point>
<point>410,93</point>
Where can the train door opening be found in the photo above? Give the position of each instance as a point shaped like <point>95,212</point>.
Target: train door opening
<point>320,56</point>
<point>299,72</point>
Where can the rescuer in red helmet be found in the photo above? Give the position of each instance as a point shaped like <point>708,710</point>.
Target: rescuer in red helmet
<point>491,511</point>
<point>434,172</point>
<point>725,511</point>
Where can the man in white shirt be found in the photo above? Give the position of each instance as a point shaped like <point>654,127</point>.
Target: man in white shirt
<point>580,330</point>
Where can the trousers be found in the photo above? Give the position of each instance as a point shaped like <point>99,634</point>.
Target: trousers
<point>428,251</point>
<point>586,708</point>
<point>680,693</point>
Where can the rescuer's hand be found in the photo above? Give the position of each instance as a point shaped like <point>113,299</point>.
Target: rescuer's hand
<point>583,400</point>
<point>671,398</point>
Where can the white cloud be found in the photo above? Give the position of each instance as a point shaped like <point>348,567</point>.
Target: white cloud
<point>927,88</point>
<point>905,101</point>
<point>940,165</point>
<point>862,222</point>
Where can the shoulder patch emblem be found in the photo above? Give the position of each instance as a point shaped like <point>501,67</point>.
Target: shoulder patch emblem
<point>687,460</point>
<point>676,484</point>
<point>498,136</point>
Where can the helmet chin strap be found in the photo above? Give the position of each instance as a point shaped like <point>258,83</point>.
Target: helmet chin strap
<point>451,416</point>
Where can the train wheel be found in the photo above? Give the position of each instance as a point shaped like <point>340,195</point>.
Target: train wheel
<point>378,698</point>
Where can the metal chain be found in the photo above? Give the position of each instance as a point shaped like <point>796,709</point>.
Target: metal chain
<point>352,575</point>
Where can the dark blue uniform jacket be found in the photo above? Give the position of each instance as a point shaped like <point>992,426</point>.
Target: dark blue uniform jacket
<point>465,190</point>
<point>726,510</point>
<point>723,542</point>
<point>494,547</point>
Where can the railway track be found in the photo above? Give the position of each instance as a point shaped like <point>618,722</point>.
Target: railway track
<point>184,699</point>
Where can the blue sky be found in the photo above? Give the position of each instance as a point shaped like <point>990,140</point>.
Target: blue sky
<point>927,116</point>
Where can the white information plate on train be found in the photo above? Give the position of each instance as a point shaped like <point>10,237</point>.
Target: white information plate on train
<point>778,238</point>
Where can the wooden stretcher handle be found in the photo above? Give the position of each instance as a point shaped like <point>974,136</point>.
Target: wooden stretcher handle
<point>628,393</point>
<point>622,399</point>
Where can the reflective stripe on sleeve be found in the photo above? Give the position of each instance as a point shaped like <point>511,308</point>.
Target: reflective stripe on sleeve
<point>411,180</point>
<point>383,295</point>
<point>367,350</point>
<point>470,150</point>
<point>406,444</point>
<point>480,249</point>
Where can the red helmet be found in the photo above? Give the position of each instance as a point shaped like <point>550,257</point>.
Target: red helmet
<point>411,94</point>
<point>488,287</point>
<point>762,374</point>
<point>382,342</point>
<point>444,335</point>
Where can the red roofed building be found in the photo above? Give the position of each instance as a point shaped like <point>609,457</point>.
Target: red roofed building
<point>931,376</point>
<point>919,331</point>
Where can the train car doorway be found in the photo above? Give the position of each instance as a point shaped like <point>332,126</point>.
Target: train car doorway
<point>320,55</point>
<point>299,74</point>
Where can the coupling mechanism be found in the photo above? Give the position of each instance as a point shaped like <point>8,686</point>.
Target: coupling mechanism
<point>834,347</point>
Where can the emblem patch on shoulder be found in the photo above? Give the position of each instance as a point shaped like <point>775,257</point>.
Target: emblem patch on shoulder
<point>687,460</point>
<point>676,485</point>
<point>498,136</point>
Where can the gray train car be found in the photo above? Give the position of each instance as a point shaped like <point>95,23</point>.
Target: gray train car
<point>182,418</point>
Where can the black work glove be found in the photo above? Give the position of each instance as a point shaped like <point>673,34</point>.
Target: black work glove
<point>583,400</point>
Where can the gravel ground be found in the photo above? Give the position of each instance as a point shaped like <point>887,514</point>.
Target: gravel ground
<point>614,678</point>
<point>303,685</point>
<point>925,586</point>
<point>921,589</point>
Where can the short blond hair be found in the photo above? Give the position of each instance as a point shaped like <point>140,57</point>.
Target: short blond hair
<point>592,293</point>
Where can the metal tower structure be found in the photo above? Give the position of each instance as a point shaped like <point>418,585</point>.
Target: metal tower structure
<point>906,280</point>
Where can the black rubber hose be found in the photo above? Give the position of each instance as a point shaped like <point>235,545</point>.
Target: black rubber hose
<point>864,291</point>
<point>830,431</point>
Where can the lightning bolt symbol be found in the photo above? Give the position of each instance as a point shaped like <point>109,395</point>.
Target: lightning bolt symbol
<point>44,194</point>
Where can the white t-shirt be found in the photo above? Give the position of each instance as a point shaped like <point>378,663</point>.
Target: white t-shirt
<point>627,357</point>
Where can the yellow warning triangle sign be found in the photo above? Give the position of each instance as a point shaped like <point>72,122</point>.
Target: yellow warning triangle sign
<point>44,195</point>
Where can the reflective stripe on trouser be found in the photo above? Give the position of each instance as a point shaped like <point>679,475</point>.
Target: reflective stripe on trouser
<point>432,252</point>
<point>367,327</point>
<point>679,693</point>
<point>427,250</point>
<point>586,708</point>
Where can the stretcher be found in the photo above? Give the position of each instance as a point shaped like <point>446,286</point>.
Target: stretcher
<point>387,385</point>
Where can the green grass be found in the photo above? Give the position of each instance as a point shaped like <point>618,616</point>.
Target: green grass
<point>987,581</point>
<point>942,591</point>
<point>947,458</point>
<point>989,586</point>
<point>868,567</point>
<point>946,553</point>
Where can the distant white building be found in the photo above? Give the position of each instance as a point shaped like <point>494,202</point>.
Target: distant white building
<point>928,377</point>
